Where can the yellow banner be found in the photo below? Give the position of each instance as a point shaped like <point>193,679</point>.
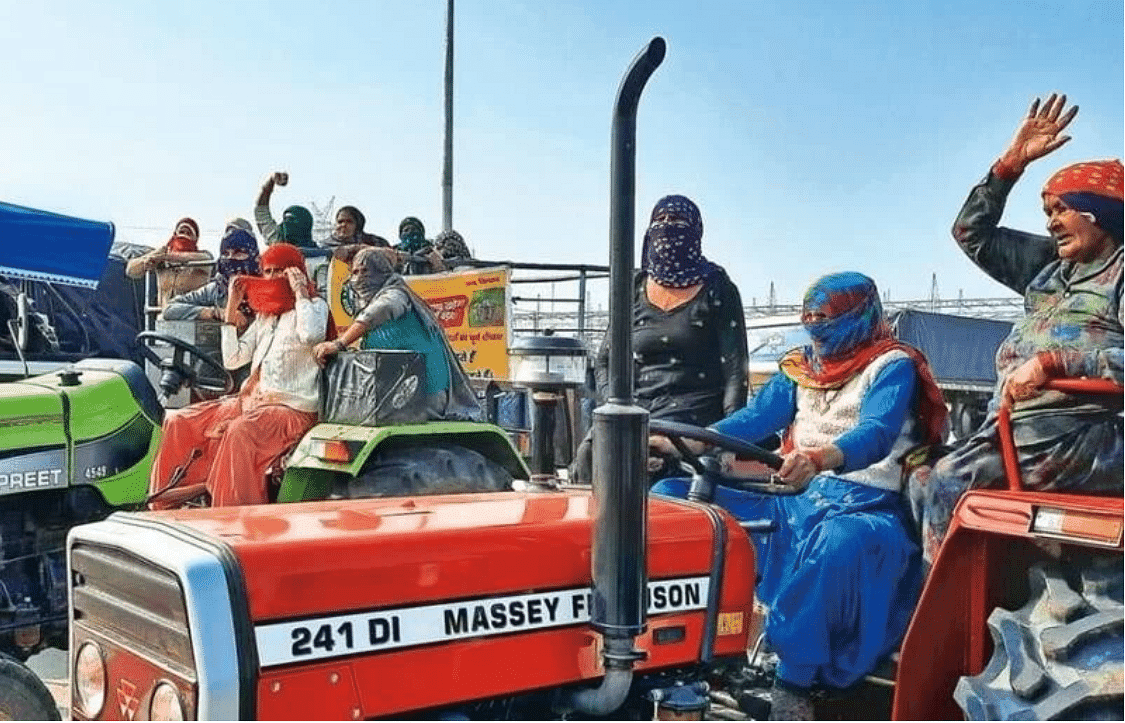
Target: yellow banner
<point>471,306</point>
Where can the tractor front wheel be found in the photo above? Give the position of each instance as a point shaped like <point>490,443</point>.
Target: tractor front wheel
<point>1057,657</point>
<point>22,695</point>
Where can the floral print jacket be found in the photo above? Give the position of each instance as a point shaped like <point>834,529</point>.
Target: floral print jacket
<point>1070,307</point>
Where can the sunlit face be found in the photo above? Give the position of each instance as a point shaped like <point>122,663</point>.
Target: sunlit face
<point>345,225</point>
<point>273,272</point>
<point>1076,236</point>
<point>185,229</point>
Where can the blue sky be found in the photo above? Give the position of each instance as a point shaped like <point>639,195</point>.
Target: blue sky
<point>815,135</point>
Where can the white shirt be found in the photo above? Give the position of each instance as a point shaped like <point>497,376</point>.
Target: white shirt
<point>280,348</point>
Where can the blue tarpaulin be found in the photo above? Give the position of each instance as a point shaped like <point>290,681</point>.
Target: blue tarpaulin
<point>961,350</point>
<point>45,246</point>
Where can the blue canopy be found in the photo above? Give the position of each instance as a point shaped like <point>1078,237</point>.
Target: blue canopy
<point>45,246</point>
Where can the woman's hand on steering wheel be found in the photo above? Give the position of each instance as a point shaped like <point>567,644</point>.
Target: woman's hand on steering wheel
<point>802,464</point>
<point>660,448</point>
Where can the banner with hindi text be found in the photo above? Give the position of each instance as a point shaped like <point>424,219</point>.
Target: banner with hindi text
<point>472,307</point>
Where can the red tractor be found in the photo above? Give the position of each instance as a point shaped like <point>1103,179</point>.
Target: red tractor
<point>545,602</point>
<point>1021,617</point>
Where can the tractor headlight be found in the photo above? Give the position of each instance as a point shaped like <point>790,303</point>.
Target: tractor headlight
<point>89,679</point>
<point>166,703</point>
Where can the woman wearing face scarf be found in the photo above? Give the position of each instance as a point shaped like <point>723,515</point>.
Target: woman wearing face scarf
<point>239,436</point>
<point>238,256</point>
<point>689,333</point>
<point>416,254</point>
<point>173,276</point>
<point>1071,282</point>
<point>391,316</point>
<point>452,247</point>
<point>841,573</point>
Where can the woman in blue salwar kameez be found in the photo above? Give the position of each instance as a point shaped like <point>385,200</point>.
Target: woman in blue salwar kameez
<point>841,572</point>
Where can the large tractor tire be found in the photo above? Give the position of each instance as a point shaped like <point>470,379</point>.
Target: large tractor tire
<point>22,695</point>
<point>1057,657</point>
<point>432,470</point>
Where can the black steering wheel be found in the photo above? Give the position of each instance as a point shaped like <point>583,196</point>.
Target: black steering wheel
<point>185,360</point>
<point>705,466</point>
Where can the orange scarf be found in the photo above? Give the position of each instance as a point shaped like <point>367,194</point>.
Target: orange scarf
<point>929,405</point>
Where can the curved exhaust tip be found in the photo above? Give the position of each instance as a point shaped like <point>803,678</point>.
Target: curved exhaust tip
<point>655,50</point>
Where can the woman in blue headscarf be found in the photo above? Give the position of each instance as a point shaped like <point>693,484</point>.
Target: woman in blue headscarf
<point>689,333</point>
<point>841,573</point>
<point>238,256</point>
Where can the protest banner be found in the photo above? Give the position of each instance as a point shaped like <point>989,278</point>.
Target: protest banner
<point>471,306</point>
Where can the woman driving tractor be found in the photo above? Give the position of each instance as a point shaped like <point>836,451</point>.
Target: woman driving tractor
<point>840,572</point>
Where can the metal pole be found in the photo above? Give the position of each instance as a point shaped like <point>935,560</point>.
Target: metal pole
<point>447,165</point>
<point>582,305</point>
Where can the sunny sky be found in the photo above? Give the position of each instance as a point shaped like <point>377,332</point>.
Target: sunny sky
<point>815,135</point>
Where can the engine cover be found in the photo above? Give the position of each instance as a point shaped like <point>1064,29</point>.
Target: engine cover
<point>365,608</point>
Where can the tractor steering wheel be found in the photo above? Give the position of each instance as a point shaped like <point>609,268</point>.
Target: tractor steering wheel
<point>184,361</point>
<point>705,466</point>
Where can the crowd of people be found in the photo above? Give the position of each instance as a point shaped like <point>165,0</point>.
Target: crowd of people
<point>845,408</point>
<point>191,284</point>
<point>277,332</point>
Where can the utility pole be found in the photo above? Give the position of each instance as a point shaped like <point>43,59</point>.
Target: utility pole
<point>447,165</point>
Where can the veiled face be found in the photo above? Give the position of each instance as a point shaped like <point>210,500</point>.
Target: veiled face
<point>370,271</point>
<point>1077,237</point>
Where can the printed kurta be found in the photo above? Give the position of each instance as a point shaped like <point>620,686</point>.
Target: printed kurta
<point>1063,441</point>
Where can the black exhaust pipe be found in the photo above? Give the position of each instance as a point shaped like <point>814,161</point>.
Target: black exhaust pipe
<point>620,479</point>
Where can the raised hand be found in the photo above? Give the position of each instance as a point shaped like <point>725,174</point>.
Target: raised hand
<point>1038,134</point>
<point>235,294</point>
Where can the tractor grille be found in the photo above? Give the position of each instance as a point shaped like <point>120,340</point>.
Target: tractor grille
<point>131,603</point>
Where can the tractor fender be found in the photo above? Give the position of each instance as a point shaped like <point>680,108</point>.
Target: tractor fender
<point>331,452</point>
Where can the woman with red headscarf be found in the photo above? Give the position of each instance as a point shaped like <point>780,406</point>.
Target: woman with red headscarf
<point>173,263</point>
<point>1071,282</point>
<point>228,443</point>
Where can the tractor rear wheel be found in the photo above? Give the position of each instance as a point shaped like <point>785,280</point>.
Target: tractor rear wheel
<point>431,470</point>
<point>22,695</point>
<point>1059,656</point>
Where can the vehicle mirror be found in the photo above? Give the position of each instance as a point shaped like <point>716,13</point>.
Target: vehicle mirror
<point>22,321</point>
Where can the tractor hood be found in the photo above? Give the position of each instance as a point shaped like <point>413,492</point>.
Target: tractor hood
<point>360,604</point>
<point>92,423</point>
<point>314,558</point>
<point>33,439</point>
